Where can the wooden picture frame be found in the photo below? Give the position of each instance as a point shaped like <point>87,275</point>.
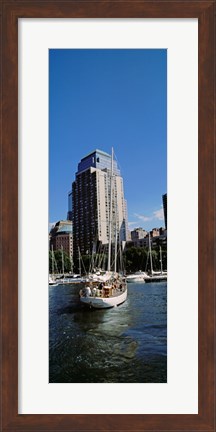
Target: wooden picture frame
<point>11,11</point>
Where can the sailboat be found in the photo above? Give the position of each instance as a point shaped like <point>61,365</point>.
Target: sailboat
<point>159,276</point>
<point>71,279</point>
<point>112,290</point>
<point>52,281</point>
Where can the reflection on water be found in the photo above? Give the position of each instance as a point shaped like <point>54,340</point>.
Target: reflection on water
<point>121,345</point>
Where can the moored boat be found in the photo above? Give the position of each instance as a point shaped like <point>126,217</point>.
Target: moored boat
<point>156,276</point>
<point>52,282</point>
<point>138,276</point>
<point>71,279</point>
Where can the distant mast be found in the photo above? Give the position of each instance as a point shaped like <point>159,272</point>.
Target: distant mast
<point>79,262</point>
<point>150,255</point>
<point>116,244</point>
<point>110,215</point>
<point>62,254</point>
<point>161,263</point>
<point>52,262</point>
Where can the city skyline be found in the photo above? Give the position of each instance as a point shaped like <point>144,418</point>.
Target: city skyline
<point>101,99</point>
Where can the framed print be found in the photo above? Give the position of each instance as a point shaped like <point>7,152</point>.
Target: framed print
<point>37,38</point>
<point>127,337</point>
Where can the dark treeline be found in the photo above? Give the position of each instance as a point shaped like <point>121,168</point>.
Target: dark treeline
<point>137,258</point>
<point>134,259</point>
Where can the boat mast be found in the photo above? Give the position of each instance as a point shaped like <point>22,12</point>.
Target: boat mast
<point>62,260</point>
<point>79,262</point>
<point>72,265</point>
<point>52,262</point>
<point>116,238</point>
<point>110,215</point>
<point>150,255</point>
<point>161,260</point>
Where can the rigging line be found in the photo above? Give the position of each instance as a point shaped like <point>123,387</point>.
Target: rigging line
<point>100,264</point>
<point>147,261</point>
<point>116,258</point>
<point>83,265</point>
<point>96,257</point>
<point>118,165</point>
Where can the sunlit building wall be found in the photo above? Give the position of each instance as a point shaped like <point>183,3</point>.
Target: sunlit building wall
<point>91,203</point>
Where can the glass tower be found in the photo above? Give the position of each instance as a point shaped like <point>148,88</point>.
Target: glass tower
<point>91,203</point>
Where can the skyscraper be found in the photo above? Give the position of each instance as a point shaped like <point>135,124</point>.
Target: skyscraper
<point>164,198</point>
<point>91,203</point>
<point>69,213</point>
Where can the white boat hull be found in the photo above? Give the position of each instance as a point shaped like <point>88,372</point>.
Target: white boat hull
<point>68,281</point>
<point>135,279</point>
<point>105,302</point>
<point>52,282</point>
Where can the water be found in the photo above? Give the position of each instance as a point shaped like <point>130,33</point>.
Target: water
<point>127,344</point>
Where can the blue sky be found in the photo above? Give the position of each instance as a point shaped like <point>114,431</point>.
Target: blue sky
<point>99,99</point>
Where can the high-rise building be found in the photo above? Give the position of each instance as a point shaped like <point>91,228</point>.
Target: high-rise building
<point>91,203</point>
<point>164,198</point>
<point>69,213</point>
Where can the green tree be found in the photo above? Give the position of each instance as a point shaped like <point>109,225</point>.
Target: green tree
<point>58,267</point>
<point>137,258</point>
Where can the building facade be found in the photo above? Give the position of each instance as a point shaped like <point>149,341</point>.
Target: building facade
<point>140,237</point>
<point>164,198</point>
<point>138,234</point>
<point>69,213</point>
<point>91,203</point>
<point>61,237</point>
<point>155,232</point>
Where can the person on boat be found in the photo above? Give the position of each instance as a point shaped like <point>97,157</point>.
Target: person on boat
<point>94,290</point>
<point>88,292</point>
